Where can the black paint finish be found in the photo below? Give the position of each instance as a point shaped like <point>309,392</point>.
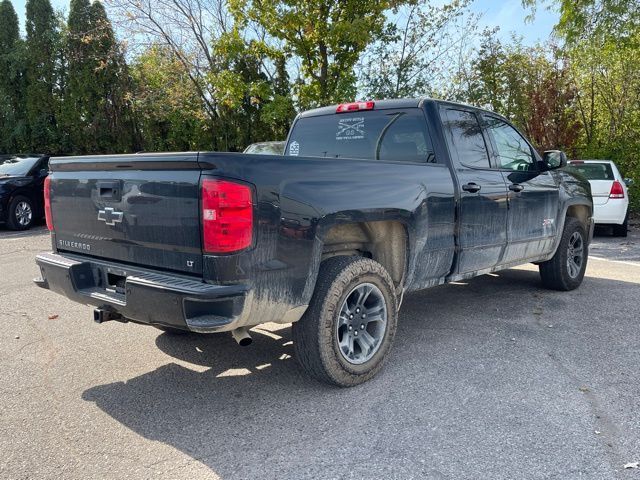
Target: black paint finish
<point>145,217</point>
<point>451,232</point>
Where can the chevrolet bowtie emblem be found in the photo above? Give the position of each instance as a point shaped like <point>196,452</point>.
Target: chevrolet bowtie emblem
<point>110,216</point>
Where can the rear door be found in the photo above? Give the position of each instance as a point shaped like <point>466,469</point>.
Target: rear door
<point>533,194</point>
<point>136,209</point>
<point>482,209</point>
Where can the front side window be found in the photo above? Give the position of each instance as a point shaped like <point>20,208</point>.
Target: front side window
<point>464,137</point>
<point>514,153</point>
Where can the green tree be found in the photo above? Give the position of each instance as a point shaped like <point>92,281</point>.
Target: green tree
<point>417,50</point>
<point>234,71</point>
<point>280,111</point>
<point>111,122</point>
<point>326,36</point>
<point>602,19</point>
<point>42,51</point>
<point>96,106</point>
<point>168,107</point>
<point>603,43</point>
<point>532,86</point>
<point>608,81</point>
<point>12,84</point>
<point>248,98</point>
<point>79,78</point>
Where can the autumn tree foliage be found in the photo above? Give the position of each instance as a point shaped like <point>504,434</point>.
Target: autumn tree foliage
<point>532,86</point>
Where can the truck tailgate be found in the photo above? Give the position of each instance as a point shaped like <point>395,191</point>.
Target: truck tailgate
<point>138,209</point>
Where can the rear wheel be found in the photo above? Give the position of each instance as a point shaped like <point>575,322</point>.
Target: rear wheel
<point>21,214</point>
<point>565,270</point>
<point>621,230</point>
<point>346,333</point>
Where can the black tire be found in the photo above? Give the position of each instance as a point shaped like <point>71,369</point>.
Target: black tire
<point>621,230</point>
<point>13,220</point>
<point>315,335</point>
<point>555,273</point>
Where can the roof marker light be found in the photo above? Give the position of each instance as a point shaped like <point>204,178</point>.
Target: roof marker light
<point>355,106</point>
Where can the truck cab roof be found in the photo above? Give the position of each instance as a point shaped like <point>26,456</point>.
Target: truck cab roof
<point>393,104</point>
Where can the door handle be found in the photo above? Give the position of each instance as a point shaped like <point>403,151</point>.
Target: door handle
<point>516,187</point>
<point>471,187</point>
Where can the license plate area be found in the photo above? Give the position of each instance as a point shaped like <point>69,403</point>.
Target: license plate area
<point>115,283</point>
<point>97,281</point>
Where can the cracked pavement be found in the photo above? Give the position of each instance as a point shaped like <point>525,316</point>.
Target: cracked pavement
<point>490,378</point>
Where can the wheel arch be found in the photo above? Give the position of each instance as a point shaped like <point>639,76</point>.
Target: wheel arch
<point>385,241</point>
<point>578,209</point>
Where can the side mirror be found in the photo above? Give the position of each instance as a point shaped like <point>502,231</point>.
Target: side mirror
<point>554,159</point>
<point>44,172</point>
<point>628,181</point>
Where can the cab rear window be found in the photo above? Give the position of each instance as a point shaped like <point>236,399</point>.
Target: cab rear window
<point>593,171</point>
<point>389,135</point>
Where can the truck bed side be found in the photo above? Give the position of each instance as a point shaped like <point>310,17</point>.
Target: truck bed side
<point>402,214</point>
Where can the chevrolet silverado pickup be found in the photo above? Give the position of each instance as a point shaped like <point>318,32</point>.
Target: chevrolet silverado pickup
<point>370,200</point>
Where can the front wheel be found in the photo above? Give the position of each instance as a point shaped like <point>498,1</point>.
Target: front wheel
<point>345,335</point>
<point>566,268</point>
<point>20,215</point>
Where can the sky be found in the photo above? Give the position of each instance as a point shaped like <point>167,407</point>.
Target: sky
<point>510,16</point>
<point>507,14</point>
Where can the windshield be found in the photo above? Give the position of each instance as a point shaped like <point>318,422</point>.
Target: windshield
<point>393,135</point>
<point>17,165</point>
<point>593,171</point>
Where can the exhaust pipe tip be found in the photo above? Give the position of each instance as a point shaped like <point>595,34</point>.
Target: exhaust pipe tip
<point>241,335</point>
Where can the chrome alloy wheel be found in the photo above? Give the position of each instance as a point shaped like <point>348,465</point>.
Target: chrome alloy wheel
<point>24,214</point>
<point>575,254</point>
<point>362,323</point>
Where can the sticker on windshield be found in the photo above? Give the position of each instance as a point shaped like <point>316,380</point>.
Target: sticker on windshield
<point>350,128</point>
<point>294,149</point>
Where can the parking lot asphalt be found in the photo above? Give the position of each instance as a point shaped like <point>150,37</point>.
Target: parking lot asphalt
<point>490,378</point>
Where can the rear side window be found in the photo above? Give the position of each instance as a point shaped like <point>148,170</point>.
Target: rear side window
<point>593,171</point>
<point>390,135</point>
<point>464,137</point>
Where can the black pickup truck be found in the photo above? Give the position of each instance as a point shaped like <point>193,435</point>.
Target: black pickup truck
<point>371,200</point>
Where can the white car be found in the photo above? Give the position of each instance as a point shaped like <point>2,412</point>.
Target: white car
<point>609,192</point>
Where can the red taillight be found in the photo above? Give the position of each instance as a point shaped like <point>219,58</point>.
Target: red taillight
<point>47,203</point>
<point>355,106</point>
<point>616,190</point>
<point>227,216</point>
